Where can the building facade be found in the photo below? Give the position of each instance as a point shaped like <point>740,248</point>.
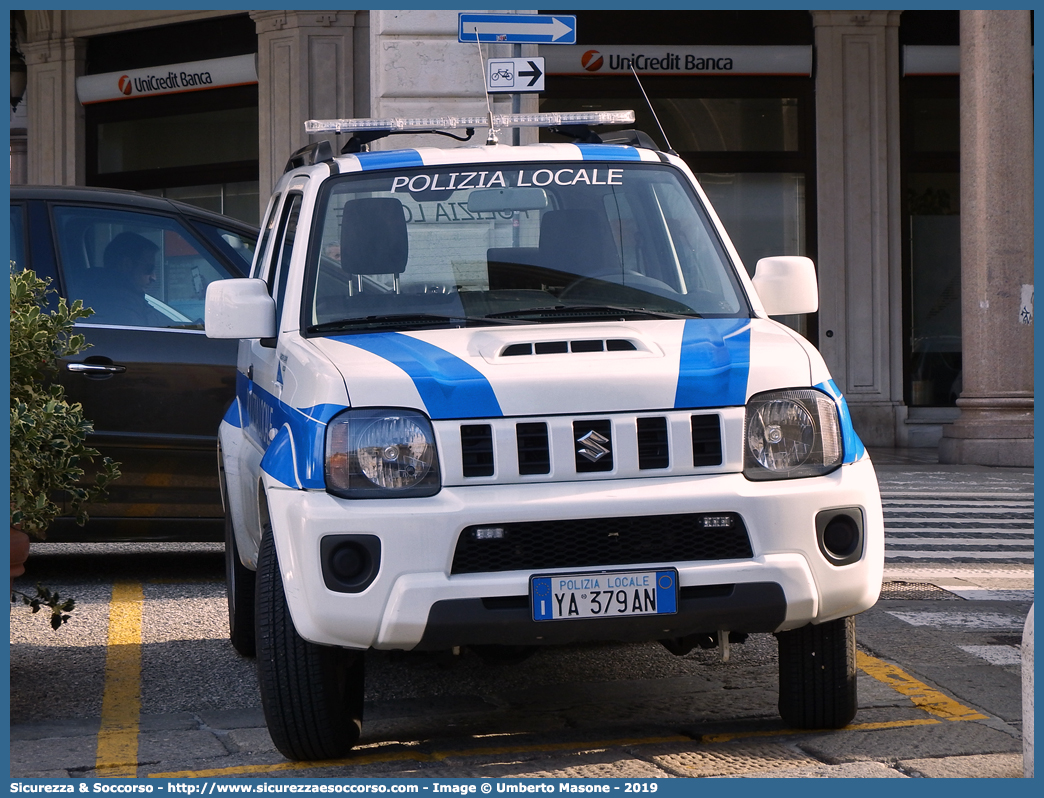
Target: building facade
<point>839,135</point>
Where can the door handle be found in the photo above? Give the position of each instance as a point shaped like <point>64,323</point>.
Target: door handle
<point>96,369</point>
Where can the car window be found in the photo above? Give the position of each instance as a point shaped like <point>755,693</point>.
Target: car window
<point>284,249</point>
<point>443,242</point>
<point>135,269</point>
<point>17,238</point>
<point>270,223</point>
<point>237,245</point>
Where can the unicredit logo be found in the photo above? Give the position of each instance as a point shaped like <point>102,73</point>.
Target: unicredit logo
<point>592,60</point>
<point>125,84</point>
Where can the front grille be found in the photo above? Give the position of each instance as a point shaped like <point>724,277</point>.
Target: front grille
<point>476,446</point>
<point>534,456</point>
<point>653,451</point>
<point>706,440</point>
<point>594,542</point>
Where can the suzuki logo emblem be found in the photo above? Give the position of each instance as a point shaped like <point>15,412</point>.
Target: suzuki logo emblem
<point>593,446</point>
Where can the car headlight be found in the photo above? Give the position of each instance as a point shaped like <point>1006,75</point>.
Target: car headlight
<point>790,434</point>
<point>380,453</point>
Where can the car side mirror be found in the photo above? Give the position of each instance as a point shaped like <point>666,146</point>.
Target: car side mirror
<point>239,308</point>
<point>786,285</point>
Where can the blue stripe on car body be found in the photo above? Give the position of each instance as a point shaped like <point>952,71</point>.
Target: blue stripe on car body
<point>608,152</point>
<point>295,455</point>
<point>390,159</point>
<point>853,446</point>
<point>449,387</point>
<point>714,363</point>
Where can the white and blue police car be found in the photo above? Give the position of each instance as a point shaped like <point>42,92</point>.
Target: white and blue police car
<point>512,396</point>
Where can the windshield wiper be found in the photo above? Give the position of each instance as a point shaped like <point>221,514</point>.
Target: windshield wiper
<point>599,311</point>
<point>407,320</point>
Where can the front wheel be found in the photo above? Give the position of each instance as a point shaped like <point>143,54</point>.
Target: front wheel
<point>817,675</point>
<point>312,695</point>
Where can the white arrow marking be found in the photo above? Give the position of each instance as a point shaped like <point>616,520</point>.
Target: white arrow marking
<point>556,30</point>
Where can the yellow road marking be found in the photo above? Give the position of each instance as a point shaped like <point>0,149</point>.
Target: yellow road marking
<point>887,724</point>
<point>117,753</point>
<point>416,756</point>
<point>923,696</point>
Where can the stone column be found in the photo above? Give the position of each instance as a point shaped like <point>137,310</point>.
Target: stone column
<point>860,262</point>
<point>996,422</point>
<point>19,160</point>
<point>55,127</point>
<point>305,70</point>
<point>418,68</point>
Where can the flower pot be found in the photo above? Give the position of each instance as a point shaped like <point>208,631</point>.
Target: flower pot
<point>19,551</point>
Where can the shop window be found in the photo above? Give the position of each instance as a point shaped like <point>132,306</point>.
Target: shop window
<point>931,240</point>
<point>934,231</point>
<point>198,147</point>
<point>17,239</point>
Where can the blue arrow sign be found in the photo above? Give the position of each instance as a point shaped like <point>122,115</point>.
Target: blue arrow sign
<point>517,28</point>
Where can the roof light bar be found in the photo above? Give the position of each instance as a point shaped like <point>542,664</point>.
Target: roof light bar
<point>453,122</point>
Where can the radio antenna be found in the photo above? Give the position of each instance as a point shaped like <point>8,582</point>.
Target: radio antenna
<point>652,110</point>
<point>492,137</point>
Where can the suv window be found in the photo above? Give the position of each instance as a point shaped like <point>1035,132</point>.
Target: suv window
<point>280,269</point>
<point>134,269</point>
<point>495,239</point>
<point>239,247</point>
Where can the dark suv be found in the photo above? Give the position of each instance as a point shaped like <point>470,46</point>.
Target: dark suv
<point>152,382</point>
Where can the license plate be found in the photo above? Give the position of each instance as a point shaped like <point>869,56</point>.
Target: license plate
<point>618,594</point>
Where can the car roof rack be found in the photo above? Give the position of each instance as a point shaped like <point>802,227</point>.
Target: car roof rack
<point>309,155</point>
<point>582,134</point>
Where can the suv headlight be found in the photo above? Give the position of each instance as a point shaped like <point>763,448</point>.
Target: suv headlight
<point>381,453</point>
<point>790,434</point>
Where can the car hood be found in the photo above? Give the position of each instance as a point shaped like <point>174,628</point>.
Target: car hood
<point>541,369</point>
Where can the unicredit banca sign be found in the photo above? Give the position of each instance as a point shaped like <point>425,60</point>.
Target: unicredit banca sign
<point>678,60</point>
<point>215,73</point>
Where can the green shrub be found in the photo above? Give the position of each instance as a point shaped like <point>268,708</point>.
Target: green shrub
<point>48,434</point>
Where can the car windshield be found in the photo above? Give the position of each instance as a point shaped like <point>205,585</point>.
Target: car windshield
<point>514,243</point>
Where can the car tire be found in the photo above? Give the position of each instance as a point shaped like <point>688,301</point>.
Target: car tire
<point>817,675</point>
<point>240,590</point>
<point>312,695</point>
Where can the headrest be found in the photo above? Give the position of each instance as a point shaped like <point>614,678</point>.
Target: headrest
<point>373,236</point>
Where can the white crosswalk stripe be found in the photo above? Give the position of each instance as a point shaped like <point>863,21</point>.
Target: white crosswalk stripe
<point>958,528</point>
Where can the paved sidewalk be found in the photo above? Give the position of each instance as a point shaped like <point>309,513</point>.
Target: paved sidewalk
<point>919,470</point>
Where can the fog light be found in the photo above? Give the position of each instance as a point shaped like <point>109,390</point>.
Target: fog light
<point>350,562</point>
<point>488,533</point>
<point>840,535</point>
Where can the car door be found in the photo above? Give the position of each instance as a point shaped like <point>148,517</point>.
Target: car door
<point>153,384</point>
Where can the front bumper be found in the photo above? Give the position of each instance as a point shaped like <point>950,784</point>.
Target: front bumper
<point>415,601</point>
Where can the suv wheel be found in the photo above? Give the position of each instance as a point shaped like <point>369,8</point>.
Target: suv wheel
<point>312,695</point>
<point>817,675</point>
<point>239,587</point>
